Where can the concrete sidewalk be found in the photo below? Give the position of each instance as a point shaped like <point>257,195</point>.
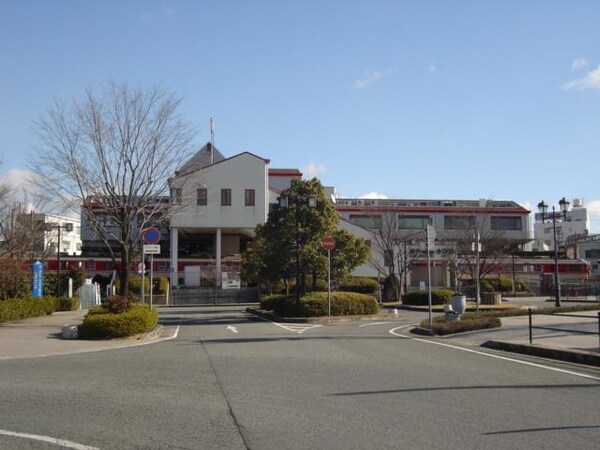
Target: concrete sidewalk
<point>564,341</point>
<point>42,336</point>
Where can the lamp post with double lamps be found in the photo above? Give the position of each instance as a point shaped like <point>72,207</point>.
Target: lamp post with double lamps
<point>49,226</point>
<point>297,200</point>
<point>543,209</point>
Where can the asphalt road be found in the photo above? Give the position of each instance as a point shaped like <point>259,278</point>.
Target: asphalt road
<point>233,381</point>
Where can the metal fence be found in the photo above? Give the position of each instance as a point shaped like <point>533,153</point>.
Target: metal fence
<point>214,296</point>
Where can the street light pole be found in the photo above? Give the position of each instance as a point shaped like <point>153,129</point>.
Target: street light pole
<point>543,208</point>
<point>57,226</point>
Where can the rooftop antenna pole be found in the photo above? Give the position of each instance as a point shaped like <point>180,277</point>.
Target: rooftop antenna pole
<point>212,140</point>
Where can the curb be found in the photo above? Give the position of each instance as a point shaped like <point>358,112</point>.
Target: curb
<point>574,356</point>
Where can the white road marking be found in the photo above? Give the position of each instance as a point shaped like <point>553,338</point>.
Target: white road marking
<point>50,440</point>
<point>489,355</point>
<point>293,327</point>
<point>232,328</point>
<point>372,324</point>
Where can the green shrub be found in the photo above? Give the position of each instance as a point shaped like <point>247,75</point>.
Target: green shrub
<point>134,284</point>
<point>362,285</point>
<point>66,304</point>
<point>17,309</point>
<point>421,298</point>
<point>271,302</point>
<point>315,304</point>
<point>501,284</point>
<point>117,304</point>
<point>163,286</point>
<point>342,304</point>
<point>105,325</point>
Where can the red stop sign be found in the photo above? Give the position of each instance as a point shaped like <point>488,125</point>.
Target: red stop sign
<point>328,243</point>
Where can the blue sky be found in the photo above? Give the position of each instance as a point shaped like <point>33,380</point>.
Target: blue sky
<point>403,99</point>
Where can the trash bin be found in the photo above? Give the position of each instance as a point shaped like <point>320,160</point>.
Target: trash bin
<point>459,303</point>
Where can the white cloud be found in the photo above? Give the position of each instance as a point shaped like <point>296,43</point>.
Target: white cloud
<point>590,81</point>
<point>313,170</point>
<point>373,195</point>
<point>432,68</point>
<point>17,178</point>
<point>165,11</point>
<point>372,76</point>
<point>579,63</point>
<point>593,208</point>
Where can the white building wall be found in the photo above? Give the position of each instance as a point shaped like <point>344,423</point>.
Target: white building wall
<point>70,241</point>
<point>241,172</point>
<point>576,224</point>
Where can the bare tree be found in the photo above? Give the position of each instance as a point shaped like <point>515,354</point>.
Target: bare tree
<point>394,246</point>
<point>493,248</point>
<point>110,156</point>
<point>21,240</point>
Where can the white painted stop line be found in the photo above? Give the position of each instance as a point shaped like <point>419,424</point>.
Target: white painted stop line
<point>50,440</point>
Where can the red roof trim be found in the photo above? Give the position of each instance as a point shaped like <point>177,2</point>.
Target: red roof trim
<point>284,173</point>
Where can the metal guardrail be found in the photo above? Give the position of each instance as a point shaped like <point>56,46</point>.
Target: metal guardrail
<point>531,327</point>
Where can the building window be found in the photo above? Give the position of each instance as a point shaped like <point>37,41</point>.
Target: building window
<point>506,223</point>
<point>412,222</point>
<point>366,221</point>
<point>225,197</point>
<point>202,197</point>
<point>249,197</point>
<point>459,223</point>
<point>176,195</point>
<point>592,253</point>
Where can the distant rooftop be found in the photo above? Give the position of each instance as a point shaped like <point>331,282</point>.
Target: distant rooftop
<point>483,203</point>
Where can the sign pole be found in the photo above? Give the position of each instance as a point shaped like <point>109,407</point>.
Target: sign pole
<point>428,234</point>
<point>143,266</point>
<point>328,243</point>
<point>329,282</point>
<point>151,276</point>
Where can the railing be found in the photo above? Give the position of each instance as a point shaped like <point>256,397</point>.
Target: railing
<point>214,296</point>
<point>531,327</point>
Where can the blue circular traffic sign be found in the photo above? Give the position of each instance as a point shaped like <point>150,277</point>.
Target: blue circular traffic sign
<point>151,235</point>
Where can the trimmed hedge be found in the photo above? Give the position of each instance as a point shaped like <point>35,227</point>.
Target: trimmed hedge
<point>273,302</point>
<point>442,328</point>
<point>66,304</point>
<point>362,285</point>
<point>501,284</point>
<point>101,324</point>
<point>421,298</point>
<point>17,309</point>
<point>315,304</point>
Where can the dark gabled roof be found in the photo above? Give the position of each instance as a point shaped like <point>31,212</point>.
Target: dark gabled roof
<point>202,158</point>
